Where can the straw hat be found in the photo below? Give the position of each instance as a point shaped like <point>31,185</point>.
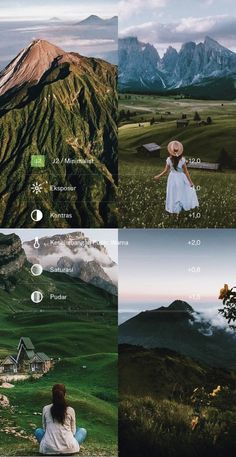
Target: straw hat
<point>175,148</point>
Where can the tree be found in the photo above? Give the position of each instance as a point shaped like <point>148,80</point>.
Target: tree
<point>229,305</point>
<point>152,121</point>
<point>224,160</point>
<point>197,117</point>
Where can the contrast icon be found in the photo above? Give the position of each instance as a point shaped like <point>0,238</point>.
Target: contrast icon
<point>36,215</point>
<point>36,296</point>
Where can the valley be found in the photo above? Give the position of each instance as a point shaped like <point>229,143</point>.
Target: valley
<point>65,331</point>
<point>148,119</point>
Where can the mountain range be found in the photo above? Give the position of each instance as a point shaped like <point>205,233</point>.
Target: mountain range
<point>178,328</point>
<point>17,284</point>
<point>195,66</point>
<point>77,256</point>
<point>63,106</point>
<point>94,20</point>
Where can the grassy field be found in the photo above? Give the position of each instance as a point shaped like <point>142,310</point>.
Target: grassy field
<point>177,410</point>
<point>141,199</point>
<point>75,338</point>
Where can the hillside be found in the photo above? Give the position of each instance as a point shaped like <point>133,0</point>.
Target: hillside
<point>62,106</point>
<point>79,333</point>
<point>161,328</point>
<point>173,405</point>
<point>166,374</point>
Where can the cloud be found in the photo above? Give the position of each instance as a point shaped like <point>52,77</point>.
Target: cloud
<point>128,8</point>
<point>211,320</point>
<point>85,253</point>
<point>221,28</point>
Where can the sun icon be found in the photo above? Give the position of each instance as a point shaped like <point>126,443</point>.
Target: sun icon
<point>37,188</point>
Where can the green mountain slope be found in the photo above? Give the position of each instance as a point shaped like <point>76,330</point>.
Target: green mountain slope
<point>79,333</point>
<point>166,373</point>
<point>68,115</point>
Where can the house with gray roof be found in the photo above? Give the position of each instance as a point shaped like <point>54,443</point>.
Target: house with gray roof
<point>27,360</point>
<point>150,149</point>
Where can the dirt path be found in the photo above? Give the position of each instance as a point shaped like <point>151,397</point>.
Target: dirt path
<point>141,108</point>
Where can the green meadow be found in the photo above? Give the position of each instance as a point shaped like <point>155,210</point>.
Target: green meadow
<point>141,199</point>
<point>83,345</point>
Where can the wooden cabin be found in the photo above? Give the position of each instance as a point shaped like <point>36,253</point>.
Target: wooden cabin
<point>9,365</point>
<point>26,360</point>
<point>150,149</point>
<point>182,123</point>
<point>204,166</point>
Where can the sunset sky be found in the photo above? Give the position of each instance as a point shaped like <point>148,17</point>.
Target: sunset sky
<point>155,267</point>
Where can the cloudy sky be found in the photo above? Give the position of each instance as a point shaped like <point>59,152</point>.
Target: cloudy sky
<point>159,266</point>
<point>64,9</point>
<point>106,237</point>
<point>173,22</point>
<point>22,21</point>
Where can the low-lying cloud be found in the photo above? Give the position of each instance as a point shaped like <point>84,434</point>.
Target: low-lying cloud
<point>211,320</point>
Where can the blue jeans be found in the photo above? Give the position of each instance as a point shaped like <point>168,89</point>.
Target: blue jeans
<point>80,434</point>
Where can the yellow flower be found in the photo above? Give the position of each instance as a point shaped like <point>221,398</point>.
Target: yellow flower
<point>224,291</point>
<point>215,391</point>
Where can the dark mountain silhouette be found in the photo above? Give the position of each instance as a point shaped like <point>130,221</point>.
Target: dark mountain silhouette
<point>178,328</point>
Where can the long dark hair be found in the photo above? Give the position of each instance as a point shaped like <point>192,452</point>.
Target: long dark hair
<point>175,160</point>
<point>59,405</point>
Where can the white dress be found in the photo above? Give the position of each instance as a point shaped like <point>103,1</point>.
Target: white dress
<point>58,438</point>
<point>179,195</point>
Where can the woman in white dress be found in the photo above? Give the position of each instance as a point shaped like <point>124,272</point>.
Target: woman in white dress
<point>59,434</point>
<point>181,194</point>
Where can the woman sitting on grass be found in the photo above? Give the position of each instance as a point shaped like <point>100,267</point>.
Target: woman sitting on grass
<point>59,434</point>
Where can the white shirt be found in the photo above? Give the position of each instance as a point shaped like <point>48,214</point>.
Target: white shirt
<point>182,162</point>
<point>58,438</point>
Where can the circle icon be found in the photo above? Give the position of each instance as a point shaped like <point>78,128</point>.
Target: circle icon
<point>36,269</point>
<point>36,215</point>
<point>36,296</point>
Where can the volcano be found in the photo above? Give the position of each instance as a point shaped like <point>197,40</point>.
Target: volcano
<point>62,106</point>
<point>179,328</point>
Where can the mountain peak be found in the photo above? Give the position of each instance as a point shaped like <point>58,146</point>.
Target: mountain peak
<point>29,65</point>
<point>180,305</point>
<point>208,39</point>
<point>210,43</point>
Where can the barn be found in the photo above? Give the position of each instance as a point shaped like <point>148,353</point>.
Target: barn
<point>150,149</point>
<point>204,166</point>
<point>181,123</point>
<point>9,365</point>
